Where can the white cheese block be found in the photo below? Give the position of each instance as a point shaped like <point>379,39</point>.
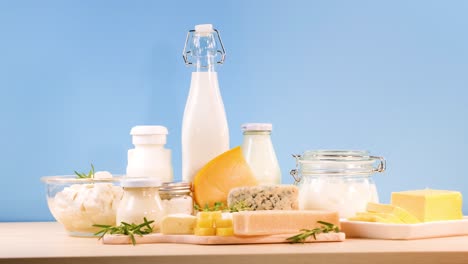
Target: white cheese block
<point>177,224</point>
<point>251,223</point>
<point>265,197</point>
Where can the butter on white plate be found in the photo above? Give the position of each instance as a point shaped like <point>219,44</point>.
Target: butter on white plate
<point>355,229</point>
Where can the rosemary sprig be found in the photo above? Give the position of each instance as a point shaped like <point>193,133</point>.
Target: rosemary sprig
<point>306,233</point>
<point>126,229</point>
<point>82,175</point>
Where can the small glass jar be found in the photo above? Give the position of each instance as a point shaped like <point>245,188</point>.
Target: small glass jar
<point>140,200</point>
<point>337,180</point>
<point>176,198</point>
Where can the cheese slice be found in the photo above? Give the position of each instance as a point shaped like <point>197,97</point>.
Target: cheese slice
<point>251,223</point>
<point>178,224</point>
<point>382,217</point>
<point>397,211</point>
<point>370,218</point>
<point>430,205</point>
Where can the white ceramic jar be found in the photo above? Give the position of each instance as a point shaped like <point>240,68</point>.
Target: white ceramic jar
<point>140,200</point>
<point>150,158</point>
<point>337,180</point>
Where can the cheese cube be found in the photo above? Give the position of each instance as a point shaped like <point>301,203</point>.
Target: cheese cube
<point>199,231</point>
<point>178,224</point>
<point>224,231</point>
<point>205,222</point>
<point>269,222</point>
<point>430,205</point>
<point>223,222</point>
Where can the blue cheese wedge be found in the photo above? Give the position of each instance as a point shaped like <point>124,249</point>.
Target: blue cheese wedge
<point>264,197</point>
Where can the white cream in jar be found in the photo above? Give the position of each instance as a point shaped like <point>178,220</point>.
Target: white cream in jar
<point>140,200</point>
<point>337,180</point>
<point>176,198</point>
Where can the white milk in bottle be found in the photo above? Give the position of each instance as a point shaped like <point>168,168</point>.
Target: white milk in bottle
<point>205,133</point>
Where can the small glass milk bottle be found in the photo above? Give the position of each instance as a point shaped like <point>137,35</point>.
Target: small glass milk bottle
<point>259,153</point>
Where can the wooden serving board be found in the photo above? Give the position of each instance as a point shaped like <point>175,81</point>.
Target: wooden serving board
<point>217,240</point>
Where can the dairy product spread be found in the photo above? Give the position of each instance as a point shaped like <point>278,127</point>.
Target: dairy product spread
<point>430,205</point>
<point>251,223</point>
<point>80,206</point>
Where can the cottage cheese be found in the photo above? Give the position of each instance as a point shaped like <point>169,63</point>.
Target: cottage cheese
<point>80,206</point>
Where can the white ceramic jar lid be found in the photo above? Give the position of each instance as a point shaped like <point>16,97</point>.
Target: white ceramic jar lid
<point>149,135</point>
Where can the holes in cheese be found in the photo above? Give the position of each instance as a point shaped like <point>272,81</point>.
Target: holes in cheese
<point>251,223</point>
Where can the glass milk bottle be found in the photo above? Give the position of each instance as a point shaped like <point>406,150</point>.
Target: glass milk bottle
<point>205,133</point>
<point>259,153</point>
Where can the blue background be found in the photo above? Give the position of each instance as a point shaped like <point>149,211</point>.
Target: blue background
<point>387,76</point>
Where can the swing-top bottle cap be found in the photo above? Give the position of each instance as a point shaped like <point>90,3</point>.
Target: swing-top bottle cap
<point>204,28</point>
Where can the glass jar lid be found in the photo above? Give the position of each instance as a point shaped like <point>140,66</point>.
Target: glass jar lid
<point>337,162</point>
<point>175,188</point>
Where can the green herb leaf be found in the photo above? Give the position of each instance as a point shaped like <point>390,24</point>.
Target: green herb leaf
<point>89,175</point>
<point>127,229</point>
<point>306,233</point>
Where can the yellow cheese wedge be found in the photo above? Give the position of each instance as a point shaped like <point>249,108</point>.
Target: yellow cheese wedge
<point>178,224</point>
<point>269,222</point>
<point>205,231</point>
<point>397,211</point>
<point>225,172</point>
<point>224,231</point>
<point>430,205</point>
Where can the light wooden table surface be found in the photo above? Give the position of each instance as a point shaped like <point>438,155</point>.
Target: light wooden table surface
<point>49,243</point>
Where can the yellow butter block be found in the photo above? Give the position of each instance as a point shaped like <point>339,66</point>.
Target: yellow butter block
<point>389,218</point>
<point>204,223</point>
<point>199,231</point>
<point>430,205</point>
<point>224,231</point>
<point>223,222</point>
<point>397,211</point>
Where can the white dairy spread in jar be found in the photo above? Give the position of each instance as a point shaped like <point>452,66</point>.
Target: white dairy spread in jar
<point>347,197</point>
<point>80,206</point>
<point>178,205</point>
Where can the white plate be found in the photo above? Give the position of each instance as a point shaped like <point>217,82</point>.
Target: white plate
<point>405,231</point>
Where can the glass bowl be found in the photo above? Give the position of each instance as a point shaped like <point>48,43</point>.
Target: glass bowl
<point>79,203</point>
